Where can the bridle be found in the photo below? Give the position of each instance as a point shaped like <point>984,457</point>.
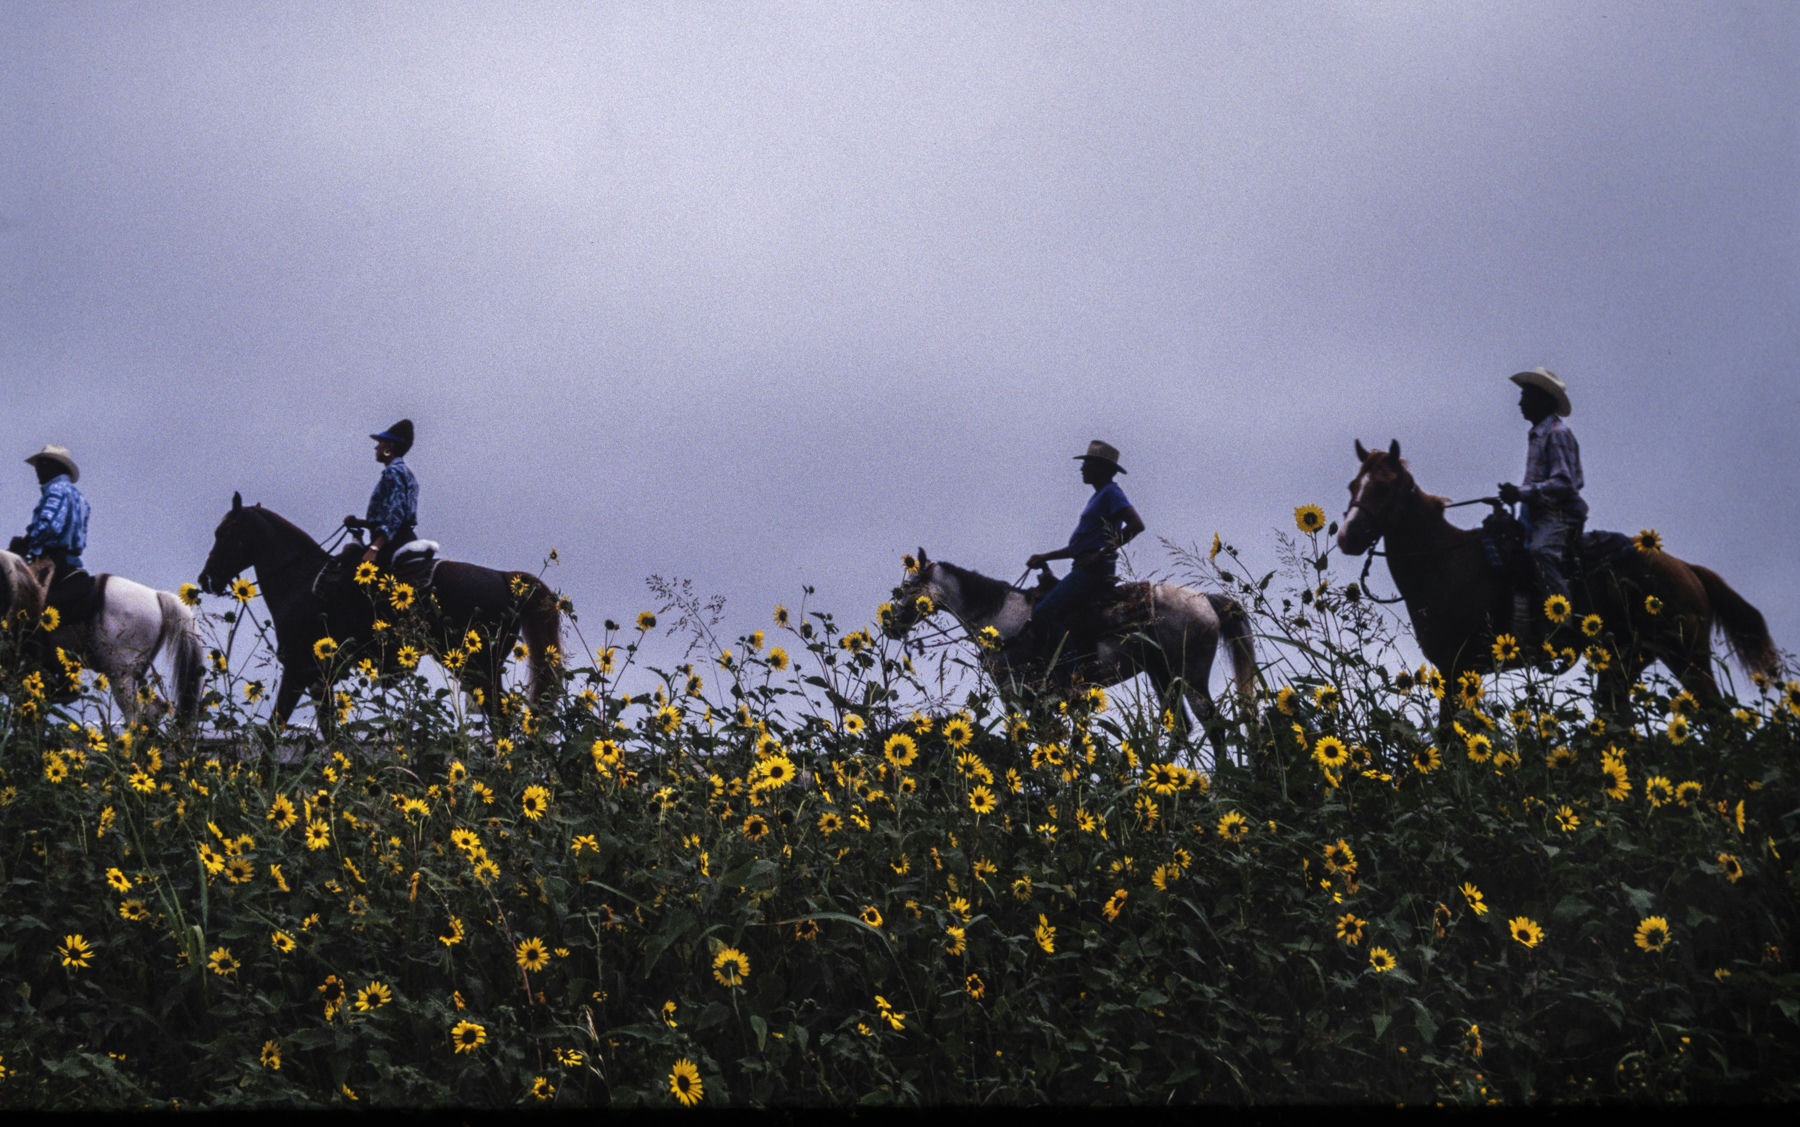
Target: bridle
<point>1369,556</point>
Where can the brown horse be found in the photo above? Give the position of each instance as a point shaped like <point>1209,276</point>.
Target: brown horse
<point>463,597</point>
<point>1459,605</point>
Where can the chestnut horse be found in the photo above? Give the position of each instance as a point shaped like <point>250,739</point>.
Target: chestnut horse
<point>1459,605</point>
<point>462,597</point>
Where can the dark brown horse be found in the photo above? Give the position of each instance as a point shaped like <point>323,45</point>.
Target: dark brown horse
<point>1459,605</point>
<point>462,597</point>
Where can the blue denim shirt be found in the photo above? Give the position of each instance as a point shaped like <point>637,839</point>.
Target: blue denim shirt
<point>60,521</point>
<point>395,503</point>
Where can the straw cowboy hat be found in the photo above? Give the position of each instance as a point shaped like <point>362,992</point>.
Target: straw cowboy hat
<point>58,455</point>
<point>1102,452</point>
<point>1546,380</point>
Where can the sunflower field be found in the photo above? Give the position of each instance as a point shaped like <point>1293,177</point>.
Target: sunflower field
<point>803,870</point>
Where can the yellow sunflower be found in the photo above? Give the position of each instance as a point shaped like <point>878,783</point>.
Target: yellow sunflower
<point>221,962</point>
<point>1475,899</point>
<point>731,967</point>
<point>1652,933</point>
<point>1506,648</point>
<point>900,750</point>
<point>1309,518</point>
<point>1331,753</point>
<point>467,1036</point>
<point>1234,827</point>
<point>1526,930</point>
<point>684,1083</point>
<point>532,954</point>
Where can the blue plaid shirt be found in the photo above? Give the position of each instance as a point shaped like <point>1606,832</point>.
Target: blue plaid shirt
<point>59,523</point>
<point>1553,480</point>
<point>395,503</point>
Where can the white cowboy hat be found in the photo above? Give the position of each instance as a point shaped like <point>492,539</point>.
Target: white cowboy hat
<point>1546,380</point>
<point>59,455</point>
<point>1102,452</point>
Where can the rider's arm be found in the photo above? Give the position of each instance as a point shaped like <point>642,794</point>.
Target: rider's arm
<point>1042,558</point>
<point>1130,524</point>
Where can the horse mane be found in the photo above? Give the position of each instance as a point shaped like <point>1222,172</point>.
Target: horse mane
<point>281,526</point>
<point>983,596</point>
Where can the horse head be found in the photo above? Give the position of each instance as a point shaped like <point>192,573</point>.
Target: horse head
<point>1382,482</point>
<point>233,547</point>
<point>915,598</point>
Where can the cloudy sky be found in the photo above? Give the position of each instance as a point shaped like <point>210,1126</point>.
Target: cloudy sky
<point>763,295</point>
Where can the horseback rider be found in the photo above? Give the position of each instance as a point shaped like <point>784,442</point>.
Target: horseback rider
<point>1107,523</point>
<point>1551,508</point>
<point>394,505</point>
<point>58,531</point>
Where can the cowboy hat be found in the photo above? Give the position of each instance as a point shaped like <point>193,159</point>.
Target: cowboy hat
<point>1102,452</point>
<point>1545,380</point>
<point>59,455</point>
<point>400,434</point>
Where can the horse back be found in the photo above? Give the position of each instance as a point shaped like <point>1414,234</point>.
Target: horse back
<point>466,591</point>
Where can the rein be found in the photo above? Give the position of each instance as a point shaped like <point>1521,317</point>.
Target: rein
<point>336,538</point>
<point>1369,559</point>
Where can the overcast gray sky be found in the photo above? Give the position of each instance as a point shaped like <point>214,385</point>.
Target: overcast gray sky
<point>763,295</point>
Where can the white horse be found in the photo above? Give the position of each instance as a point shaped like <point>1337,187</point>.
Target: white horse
<point>1176,648</point>
<point>134,624</point>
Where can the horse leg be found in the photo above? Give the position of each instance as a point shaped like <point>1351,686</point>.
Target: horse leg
<point>287,697</point>
<point>1206,711</point>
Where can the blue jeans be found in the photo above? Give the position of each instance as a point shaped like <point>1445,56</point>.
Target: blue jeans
<point>1548,534</point>
<point>1079,586</point>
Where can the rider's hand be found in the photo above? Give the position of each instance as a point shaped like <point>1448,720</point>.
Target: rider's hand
<point>351,522</point>
<point>1509,493</point>
<point>1035,561</point>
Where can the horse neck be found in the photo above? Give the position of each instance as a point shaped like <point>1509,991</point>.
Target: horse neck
<point>287,561</point>
<point>1007,615</point>
<point>1420,545</point>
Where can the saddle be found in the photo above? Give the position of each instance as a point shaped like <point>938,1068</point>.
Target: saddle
<point>1592,554</point>
<point>77,596</point>
<point>1121,609</point>
<point>414,563</point>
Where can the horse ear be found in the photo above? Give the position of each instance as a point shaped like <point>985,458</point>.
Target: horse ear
<point>1394,450</point>
<point>1361,454</point>
<point>237,501</point>
<point>923,559</point>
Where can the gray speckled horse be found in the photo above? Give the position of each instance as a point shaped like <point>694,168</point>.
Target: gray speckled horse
<point>1175,648</point>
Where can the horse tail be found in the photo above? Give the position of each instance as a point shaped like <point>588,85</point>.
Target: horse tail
<point>540,621</point>
<point>1234,631</point>
<point>181,634</point>
<point>1741,623</point>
